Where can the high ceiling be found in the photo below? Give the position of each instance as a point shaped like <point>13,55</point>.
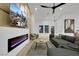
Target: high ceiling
<point>42,13</point>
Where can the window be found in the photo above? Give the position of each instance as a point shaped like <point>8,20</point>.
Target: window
<point>46,29</point>
<point>40,28</point>
<point>43,29</point>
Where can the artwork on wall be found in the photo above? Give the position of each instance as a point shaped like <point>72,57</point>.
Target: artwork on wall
<point>69,25</point>
<point>17,16</point>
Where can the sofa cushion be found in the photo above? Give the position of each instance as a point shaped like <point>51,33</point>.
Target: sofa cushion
<point>61,41</point>
<point>65,44</point>
<point>68,38</point>
<point>61,52</point>
<point>63,37</point>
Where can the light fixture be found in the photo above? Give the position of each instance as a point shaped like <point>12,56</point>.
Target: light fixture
<point>35,9</point>
<point>60,8</point>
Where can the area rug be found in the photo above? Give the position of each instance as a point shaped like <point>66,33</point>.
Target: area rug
<point>41,50</point>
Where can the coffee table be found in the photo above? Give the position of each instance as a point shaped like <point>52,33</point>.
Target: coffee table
<point>40,41</point>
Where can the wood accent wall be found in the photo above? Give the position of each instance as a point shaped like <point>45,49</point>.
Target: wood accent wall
<point>4,17</point>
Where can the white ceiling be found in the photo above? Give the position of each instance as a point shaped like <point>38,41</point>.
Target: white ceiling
<point>69,8</point>
<point>42,13</point>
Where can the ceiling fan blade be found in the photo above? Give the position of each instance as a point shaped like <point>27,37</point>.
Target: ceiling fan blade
<point>45,6</point>
<point>59,5</point>
<point>54,7</point>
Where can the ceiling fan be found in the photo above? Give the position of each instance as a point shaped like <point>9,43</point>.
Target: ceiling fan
<point>53,7</point>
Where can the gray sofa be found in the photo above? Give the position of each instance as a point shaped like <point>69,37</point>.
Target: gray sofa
<point>65,46</point>
<point>67,42</point>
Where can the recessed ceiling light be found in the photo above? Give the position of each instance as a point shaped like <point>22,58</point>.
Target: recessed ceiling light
<point>60,8</point>
<point>35,9</point>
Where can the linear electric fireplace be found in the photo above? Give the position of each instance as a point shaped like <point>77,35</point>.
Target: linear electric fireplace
<point>14,42</point>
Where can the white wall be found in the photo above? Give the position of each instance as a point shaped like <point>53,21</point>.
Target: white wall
<point>41,21</point>
<point>44,16</point>
<point>7,33</point>
<point>41,16</point>
<point>59,29</point>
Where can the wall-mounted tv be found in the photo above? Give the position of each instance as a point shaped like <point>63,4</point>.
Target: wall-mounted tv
<point>17,16</point>
<point>16,41</point>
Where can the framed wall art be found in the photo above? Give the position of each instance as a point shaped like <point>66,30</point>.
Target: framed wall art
<point>17,16</point>
<point>69,25</point>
